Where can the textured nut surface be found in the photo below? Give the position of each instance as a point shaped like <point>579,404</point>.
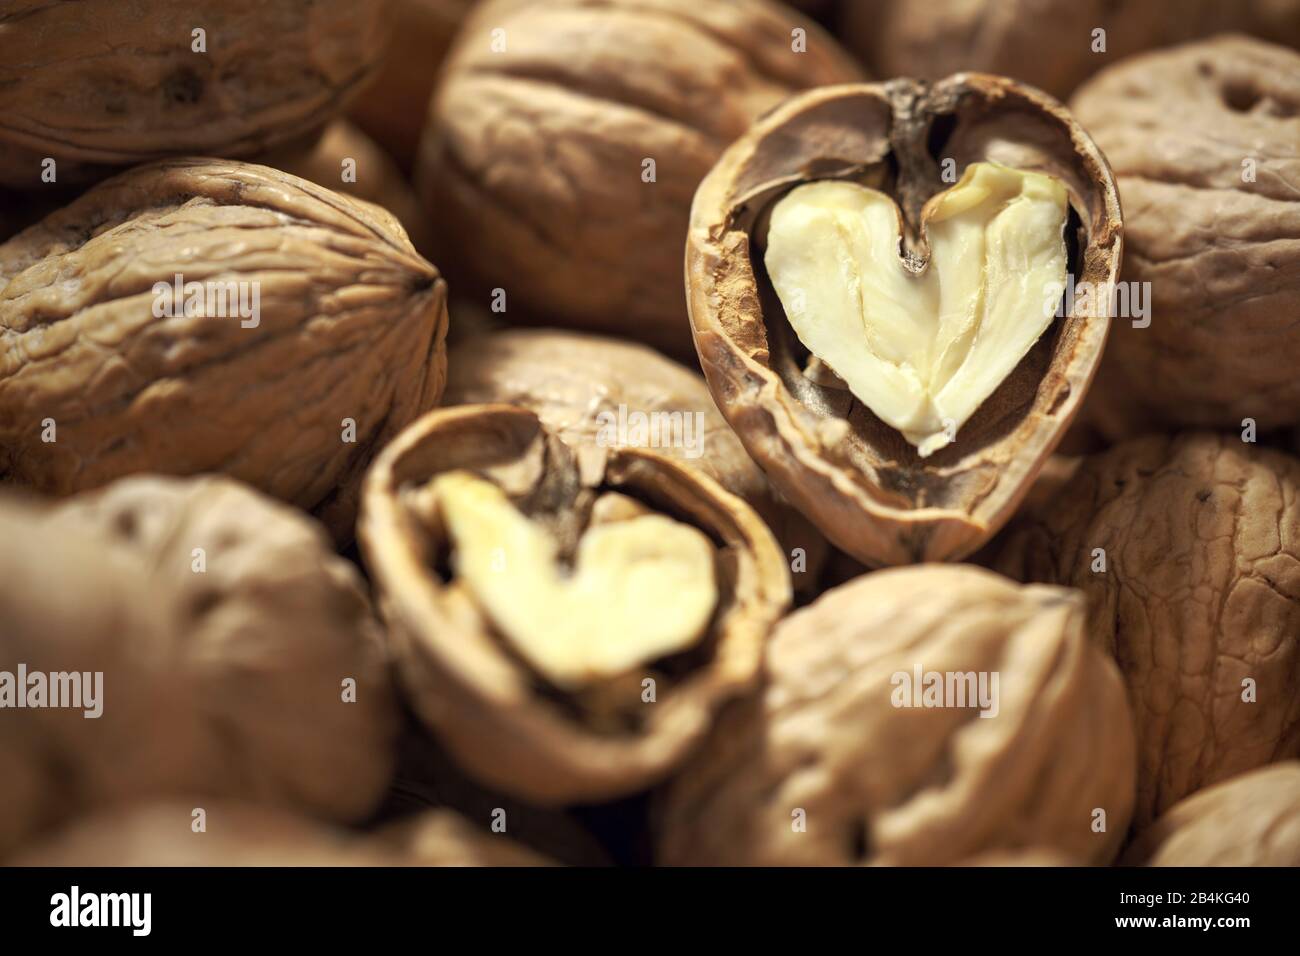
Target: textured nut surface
<point>579,384</point>
<point>352,326</point>
<point>533,155</point>
<point>1184,129</point>
<point>378,179</point>
<point>497,716</point>
<point>885,784</point>
<point>1048,43</point>
<point>1250,820</point>
<point>1201,591</point>
<point>854,476</point>
<point>105,83</point>
<point>227,681</point>
<point>245,834</point>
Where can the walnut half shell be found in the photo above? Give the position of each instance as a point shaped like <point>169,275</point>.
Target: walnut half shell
<point>856,477</point>
<point>490,698</point>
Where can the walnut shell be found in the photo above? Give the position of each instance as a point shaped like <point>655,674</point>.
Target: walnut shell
<point>576,384</point>
<point>855,477</point>
<point>244,834</point>
<point>100,84</point>
<point>533,156</point>
<point>1048,43</point>
<point>227,680</point>
<point>378,179</point>
<point>497,716</point>
<point>393,105</point>
<point>899,785</point>
<point>1201,590</point>
<point>1249,820</point>
<point>353,327</point>
<point>1184,129</point>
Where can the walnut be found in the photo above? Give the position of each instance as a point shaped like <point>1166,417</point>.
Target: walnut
<point>239,657</point>
<point>1250,820</point>
<point>566,138</point>
<point>306,332</point>
<point>1188,549</point>
<point>583,386</point>
<point>869,743</point>
<point>378,180</point>
<point>1050,44</point>
<point>490,543</point>
<point>244,834</point>
<point>910,431</point>
<point>95,87</point>
<point>392,107</point>
<point>1202,140</point>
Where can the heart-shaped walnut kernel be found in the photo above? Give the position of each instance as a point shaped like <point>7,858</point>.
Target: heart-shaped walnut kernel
<point>642,587</point>
<point>922,349</point>
<point>957,391</point>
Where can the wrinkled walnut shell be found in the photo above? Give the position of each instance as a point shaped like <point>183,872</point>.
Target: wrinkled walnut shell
<point>570,379</point>
<point>352,326</point>
<point>94,85</point>
<point>494,714</point>
<point>1201,590</point>
<point>891,785</point>
<point>1183,130</point>
<point>533,155</point>
<point>1249,820</point>
<point>226,680</point>
<point>854,476</point>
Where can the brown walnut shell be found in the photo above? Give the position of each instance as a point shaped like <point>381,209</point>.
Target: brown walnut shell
<point>533,156</point>
<point>1201,591</point>
<point>854,476</point>
<point>1185,131</point>
<point>103,84</point>
<point>1047,43</point>
<point>571,379</point>
<point>245,834</point>
<point>223,669</point>
<point>879,783</point>
<point>352,326</point>
<point>497,717</point>
<point>1249,820</point>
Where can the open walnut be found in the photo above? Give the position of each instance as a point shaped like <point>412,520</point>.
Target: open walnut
<point>200,315</point>
<point>1203,141</point>
<point>916,716</point>
<point>1188,550</point>
<point>239,656</point>
<point>96,85</point>
<point>595,392</point>
<point>566,625</point>
<point>875,278</point>
<point>566,138</point>
<point>1249,820</point>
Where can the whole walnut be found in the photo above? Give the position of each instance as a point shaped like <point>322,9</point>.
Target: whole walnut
<point>566,139</point>
<point>583,386</point>
<point>1050,44</point>
<point>1188,549</point>
<point>1202,139</point>
<point>197,315</point>
<point>239,656</point>
<point>101,83</point>
<point>245,834</point>
<point>1250,820</point>
<point>842,759</point>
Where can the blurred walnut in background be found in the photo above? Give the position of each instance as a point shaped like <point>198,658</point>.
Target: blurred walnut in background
<point>566,139</point>
<point>1046,43</point>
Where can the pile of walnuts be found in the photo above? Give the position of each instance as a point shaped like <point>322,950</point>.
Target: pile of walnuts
<point>313,552</point>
